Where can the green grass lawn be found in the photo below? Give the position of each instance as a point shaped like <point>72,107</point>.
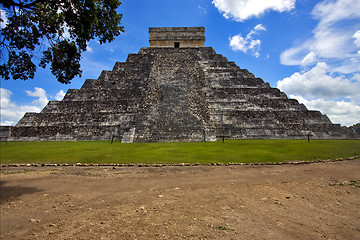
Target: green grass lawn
<point>241,151</point>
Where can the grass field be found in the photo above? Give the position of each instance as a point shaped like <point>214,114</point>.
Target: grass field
<point>243,151</point>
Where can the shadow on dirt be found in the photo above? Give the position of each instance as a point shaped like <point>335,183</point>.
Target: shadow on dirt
<point>10,193</point>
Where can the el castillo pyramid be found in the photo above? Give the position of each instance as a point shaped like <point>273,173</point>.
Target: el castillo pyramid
<point>175,90</point>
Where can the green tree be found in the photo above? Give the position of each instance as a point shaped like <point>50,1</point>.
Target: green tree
<point>57,30</point>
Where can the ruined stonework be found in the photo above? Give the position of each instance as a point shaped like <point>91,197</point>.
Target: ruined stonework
<point>165,94</point>
<point>177,37</point>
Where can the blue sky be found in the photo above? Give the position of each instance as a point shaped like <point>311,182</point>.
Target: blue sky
<point>309,49</point>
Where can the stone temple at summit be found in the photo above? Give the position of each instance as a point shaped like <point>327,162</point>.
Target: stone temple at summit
<point>175,90</point>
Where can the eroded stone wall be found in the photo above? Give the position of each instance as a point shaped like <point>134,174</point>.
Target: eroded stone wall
<point>177,37</point>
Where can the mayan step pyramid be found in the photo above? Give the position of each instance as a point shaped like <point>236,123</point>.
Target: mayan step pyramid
<point>175,90</point>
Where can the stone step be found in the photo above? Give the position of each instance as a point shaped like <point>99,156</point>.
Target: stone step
<point>75,107</point>
<point>245,92</point>
<point>128,137</point>
<point>70,119</point>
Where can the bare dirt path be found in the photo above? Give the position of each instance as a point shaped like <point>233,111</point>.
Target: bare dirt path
<point>315,201</point>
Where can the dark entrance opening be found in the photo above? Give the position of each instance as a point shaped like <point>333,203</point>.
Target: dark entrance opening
<point>176,44</point>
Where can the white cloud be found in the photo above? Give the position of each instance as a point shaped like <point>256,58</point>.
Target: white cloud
<point>259,27</point>
<point>60,95</point>
<point>356,37</point>
<point>318,83</point>
<point>330,12</point>
<point>5,96</point>
<point>65,34</point>
<point>332,85</point>
<point>89,49</point>
<point>202,9</point>
<point>7,123</point>
<point>335,39</point>
<point>4,19</point>
<point>341,112</point>
<point>241,10</point>
<point>319,90</point>
<point>11,112</point>
<point>356,77</point>
<point>40,94</point>
<point>245,44</point>
<point>309,59</point>
<point>295,55</point>
<point>350,65</point>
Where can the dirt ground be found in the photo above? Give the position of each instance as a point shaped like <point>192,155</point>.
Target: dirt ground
<point>313,201</point>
